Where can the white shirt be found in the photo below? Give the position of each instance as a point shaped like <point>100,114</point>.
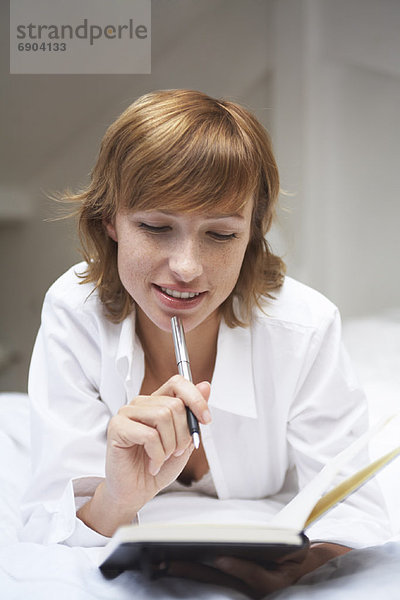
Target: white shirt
<point>283,401</point>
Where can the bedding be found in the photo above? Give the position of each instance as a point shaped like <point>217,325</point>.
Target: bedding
<point>47,572</point>
<point>36,572</point>
<point>374,346</point>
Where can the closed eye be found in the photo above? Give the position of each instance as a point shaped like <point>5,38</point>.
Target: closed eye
<point>219,237</point>
<point>154,228</point>
<point>222,237</point>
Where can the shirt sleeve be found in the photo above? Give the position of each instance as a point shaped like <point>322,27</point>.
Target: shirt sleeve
<point>328,414</point>
<point>68,425</point>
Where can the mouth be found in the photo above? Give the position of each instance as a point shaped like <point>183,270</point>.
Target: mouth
<point>181,295</point>
<point>176,298</point>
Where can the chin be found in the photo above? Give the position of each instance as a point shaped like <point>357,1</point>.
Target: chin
<point>162,319</point>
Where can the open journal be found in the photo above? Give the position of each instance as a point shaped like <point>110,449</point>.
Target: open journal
<point>139,547</point>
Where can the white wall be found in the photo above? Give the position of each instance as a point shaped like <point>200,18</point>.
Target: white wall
<point>323,77</point>
<point>53,126</point>
<point>344,89</point>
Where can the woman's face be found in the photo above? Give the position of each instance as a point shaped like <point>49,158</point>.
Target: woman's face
<point>180,264</point>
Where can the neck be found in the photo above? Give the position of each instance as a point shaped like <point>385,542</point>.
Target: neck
<point>159,351</point>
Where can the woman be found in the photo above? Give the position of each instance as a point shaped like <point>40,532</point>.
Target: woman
<point>174,223</point>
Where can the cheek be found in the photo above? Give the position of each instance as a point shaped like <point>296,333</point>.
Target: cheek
<point>133,263</point>
<point>229,264</point>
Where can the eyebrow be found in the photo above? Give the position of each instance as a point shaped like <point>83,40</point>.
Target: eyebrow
<point>227,216</point>
<point>207,216</point>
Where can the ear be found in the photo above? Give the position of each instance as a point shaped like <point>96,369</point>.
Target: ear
<point>111,231</point>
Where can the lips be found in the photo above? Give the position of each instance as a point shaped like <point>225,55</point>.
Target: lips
<point>178,299</point>
<point>177,294</point>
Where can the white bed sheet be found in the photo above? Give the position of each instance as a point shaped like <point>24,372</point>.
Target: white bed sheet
<point>58,571</point>
<point>374,346</point>
<point>34,572</point>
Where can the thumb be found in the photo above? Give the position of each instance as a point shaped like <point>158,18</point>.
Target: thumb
<point>205,388</point>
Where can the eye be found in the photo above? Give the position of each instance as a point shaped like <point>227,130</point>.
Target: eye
<point>154,228</point>
<point>222,237</point>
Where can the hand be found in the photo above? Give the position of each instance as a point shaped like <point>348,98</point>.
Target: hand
<point>253,579</point>
<point>148,441</point>
<point>148,445</point>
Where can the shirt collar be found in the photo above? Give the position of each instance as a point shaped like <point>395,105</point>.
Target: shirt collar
<point>130,357</point>
<point>232,386</point>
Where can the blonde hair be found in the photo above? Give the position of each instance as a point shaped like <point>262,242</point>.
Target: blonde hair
<point>182,150</point>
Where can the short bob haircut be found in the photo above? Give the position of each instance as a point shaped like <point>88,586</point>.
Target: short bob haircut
<point>181,150</point>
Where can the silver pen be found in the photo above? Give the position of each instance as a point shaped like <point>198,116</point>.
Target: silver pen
<point>182,361</point>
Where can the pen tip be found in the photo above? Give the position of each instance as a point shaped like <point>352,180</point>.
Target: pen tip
<point>196,440</point>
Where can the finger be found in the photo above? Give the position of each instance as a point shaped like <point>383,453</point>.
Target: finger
<point>124,433</point>
<point>204,573</point>
<point>178,414</point>
<point>252,574</point>
<point>190,395</point>
<point>161,410</point>
<point>160,417</point>
<point>259,579</point>
<point>205,389</point>
<point>298,556</point>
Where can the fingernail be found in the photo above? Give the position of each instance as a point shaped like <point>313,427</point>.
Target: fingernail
<point>179,452</point>
<point>206,416</point>
<point>163,567</point>
<point>223,563</point>
<point>154,471</point>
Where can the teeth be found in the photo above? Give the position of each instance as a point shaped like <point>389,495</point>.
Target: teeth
<point>176,294</point>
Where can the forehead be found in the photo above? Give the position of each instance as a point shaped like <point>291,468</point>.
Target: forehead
<point>217,208</point>
<point>241,216</point>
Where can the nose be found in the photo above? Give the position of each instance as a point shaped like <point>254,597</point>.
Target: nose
<point>185,260</point>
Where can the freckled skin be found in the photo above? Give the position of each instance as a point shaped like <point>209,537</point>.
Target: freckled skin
<point>183,252</point>
<point>148,441</point>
